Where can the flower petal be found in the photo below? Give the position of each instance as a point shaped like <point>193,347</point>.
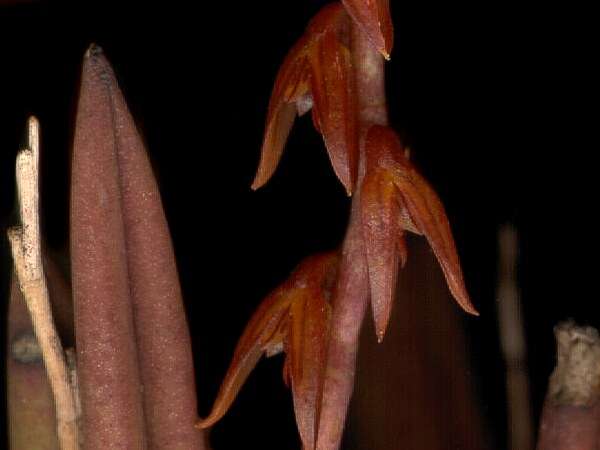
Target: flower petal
<point>307,348</point>
<point>291,86</point>
<point>384,243</point>
<point>373,17</point>
<point>263,334</point>
<point>424,208</point>
<point>335,108</point>
<point>329,18</point>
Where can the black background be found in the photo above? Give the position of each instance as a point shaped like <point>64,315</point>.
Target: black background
<point>496,101</point>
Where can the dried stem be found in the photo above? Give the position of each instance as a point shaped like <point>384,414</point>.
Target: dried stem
<point>571,415</point>
<point>352,289</point>
<point>512,337</point>
<point>27,255</point>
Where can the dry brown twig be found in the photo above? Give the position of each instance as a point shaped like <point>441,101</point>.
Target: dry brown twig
<point>25,242</point>
<point>512,339</point>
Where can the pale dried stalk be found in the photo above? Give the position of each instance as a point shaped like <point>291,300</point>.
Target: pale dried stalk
<point>26,249</point>
<point>512,338</point>
<point>571,414</point>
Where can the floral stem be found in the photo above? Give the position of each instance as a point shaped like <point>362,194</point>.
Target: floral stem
<point>352,289</point>
<point>369,70</point>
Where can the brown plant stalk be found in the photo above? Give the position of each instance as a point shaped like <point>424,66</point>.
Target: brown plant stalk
<point>512,340</point>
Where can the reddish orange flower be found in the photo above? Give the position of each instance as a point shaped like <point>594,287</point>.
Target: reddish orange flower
<point>317,73</point>
<point>373,17</point>
<point>294,318</point>
<point>395,199</point>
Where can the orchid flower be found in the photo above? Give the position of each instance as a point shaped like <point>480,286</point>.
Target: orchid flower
<point>316,74</point>
<point>295,319</point>
<point>395,199</point>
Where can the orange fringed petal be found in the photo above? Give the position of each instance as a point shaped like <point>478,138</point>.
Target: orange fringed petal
<point>294,318</point>
<point>395,199</point>
<point>316,71</point>
<point>373,17</point>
